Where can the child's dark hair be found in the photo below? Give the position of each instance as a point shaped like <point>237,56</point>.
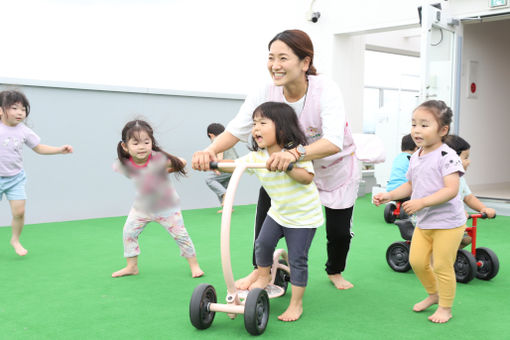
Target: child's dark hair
<point>457,143</point>
<point>132,130</point>
<point>441,112</point>
<point>407,143</point>
<point>288,132</point>
<point>11,97</point>
<point>215,129</point>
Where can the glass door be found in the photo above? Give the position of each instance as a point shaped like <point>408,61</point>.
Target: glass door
<point>441,42</point>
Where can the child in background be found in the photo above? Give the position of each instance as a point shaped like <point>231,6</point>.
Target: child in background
<point>462,148</point>
<point>296,209</point>
<point>433,182</point>
<point>216,180</point>
<point>141,159</point>
<point>14,109</point>
<point>401,163</point>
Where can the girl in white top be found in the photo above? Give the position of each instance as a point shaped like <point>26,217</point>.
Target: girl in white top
<point>296,209</point>
<point>14,109</point>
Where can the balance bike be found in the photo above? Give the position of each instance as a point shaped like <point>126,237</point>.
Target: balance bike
<point>480,262</point>
<point>254,304</point>
<point>393,211</point>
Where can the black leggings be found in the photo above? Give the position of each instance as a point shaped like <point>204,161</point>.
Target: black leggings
<point>338,232</point>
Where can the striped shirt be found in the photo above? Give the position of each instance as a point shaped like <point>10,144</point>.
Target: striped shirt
<point>293,205</point>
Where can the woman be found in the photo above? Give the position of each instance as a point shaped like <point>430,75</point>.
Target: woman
<point>319,106</point>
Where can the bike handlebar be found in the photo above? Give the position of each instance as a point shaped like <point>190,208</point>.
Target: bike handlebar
<point>214,165</point>
<point>480,215</point>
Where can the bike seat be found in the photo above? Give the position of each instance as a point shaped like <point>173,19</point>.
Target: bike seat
<point>406,228</point>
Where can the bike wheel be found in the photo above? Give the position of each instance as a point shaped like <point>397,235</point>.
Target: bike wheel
<point>388,213</point>
<point>282,277</point>
<point>199,313</point>
<point>489,263</point>
<point>256,311</point>
<point>465,266</point>
<point>397,257</point>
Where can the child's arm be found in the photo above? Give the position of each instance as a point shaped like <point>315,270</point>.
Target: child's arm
<point>474,203</point>
<point>402,191</point>
<point>301,175</point>
<point>449,191</point>
<point>52,150</point>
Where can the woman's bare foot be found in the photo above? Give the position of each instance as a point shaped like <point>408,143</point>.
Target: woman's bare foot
<point>426,303</point>
<point>128,270</point>
<point>340,282</point>
<point>261,282</point>
<point>18,248</point>
<point>291,314</point>
<point>246,282</point>
<point>441,315</point>
<point>196,271</point>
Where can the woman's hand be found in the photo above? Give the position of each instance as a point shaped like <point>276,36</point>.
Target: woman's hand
<point>381,198</point>
<point>412,206</point>
<point>201,160</point>
<point>279,161</point>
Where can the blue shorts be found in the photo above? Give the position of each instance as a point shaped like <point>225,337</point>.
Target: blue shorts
<point>13,187</point>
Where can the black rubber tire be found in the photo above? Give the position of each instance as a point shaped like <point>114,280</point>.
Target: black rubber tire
<point>388,213</point>
<point>490,263</point>
<point>403,215</point>
<point>397,257</point>
<point>199,313</point>
<point>465,266</point>
<point>282,277</point>
<point>256,311</point>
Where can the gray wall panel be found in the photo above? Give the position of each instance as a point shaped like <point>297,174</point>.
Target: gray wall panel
<point>83,185</point>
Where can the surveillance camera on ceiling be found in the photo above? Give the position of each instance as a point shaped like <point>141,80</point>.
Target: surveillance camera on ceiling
<point>314,16</point>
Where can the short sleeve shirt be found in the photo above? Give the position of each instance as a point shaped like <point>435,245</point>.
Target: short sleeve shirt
<point>293,205</point>
<point>427,172</point>
<point>464,189</point>
<point>155,191</point>
<point>12,139</point>
<point>398,171</point>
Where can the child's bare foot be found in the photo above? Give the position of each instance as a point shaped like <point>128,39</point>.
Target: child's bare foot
<point>426,303</point>
<point>340,282</point>
<point>246,282</point>
<point>18,248</point>
<point>261,282</point>
<point>128,270</point>
<point>292,313</point>
<point>441,315</point>
<point>196,271</point>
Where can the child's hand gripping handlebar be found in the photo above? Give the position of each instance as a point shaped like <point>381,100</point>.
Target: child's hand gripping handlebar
<point>480,215</point>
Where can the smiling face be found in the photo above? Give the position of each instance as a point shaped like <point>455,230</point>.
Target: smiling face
<point>426,131</point>
<point>139,147</point>
<point>264,133</point>
<point>284,65</point>
<point>14,114</point>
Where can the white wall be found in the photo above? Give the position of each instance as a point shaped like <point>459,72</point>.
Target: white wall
<point>484,121</point>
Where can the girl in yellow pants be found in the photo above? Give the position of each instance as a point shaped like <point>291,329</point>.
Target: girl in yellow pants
<point>433,183</point>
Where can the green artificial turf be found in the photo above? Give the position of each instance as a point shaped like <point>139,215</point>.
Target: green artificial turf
<point>63,288</point>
